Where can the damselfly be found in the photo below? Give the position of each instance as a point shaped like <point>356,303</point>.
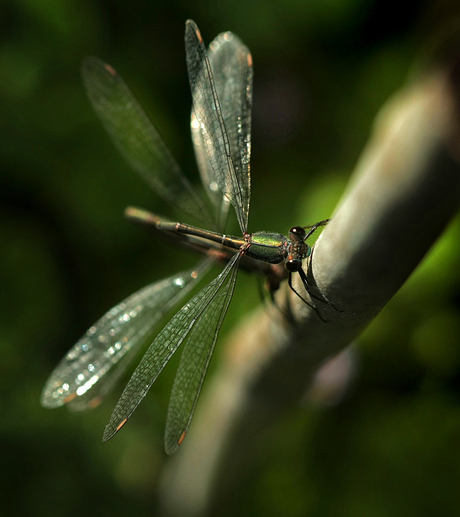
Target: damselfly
<point>221,84</point>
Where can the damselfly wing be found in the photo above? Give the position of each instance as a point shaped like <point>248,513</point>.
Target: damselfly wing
<point>221,85</point>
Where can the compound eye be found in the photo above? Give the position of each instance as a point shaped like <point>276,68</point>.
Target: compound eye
<point>297,233</point>
<point>293,265</point>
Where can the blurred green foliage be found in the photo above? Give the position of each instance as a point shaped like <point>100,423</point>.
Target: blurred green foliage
<point>322,70</point>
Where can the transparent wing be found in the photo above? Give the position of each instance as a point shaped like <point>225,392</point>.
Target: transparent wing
<point>208,113</point>
<point>231,66</point>
<point>137,139</point>
<point>196,356</point>
<point>220,202</point>
<point>94,364</point>
<point>231,63</point>
<point>163,348</point>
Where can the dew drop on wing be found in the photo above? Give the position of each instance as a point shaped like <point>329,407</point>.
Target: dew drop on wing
<point>179,282</point>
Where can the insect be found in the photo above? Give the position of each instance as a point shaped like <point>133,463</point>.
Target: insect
<point>221,84</point>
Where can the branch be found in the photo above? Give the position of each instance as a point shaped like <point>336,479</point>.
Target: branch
<point>404,191</point>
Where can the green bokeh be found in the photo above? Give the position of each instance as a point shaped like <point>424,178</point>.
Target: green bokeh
<point>322,70</point>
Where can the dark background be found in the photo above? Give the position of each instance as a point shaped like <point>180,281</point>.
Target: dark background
<point>322,71</point>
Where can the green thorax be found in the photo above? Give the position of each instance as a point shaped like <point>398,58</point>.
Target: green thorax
<point>268,247</point>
